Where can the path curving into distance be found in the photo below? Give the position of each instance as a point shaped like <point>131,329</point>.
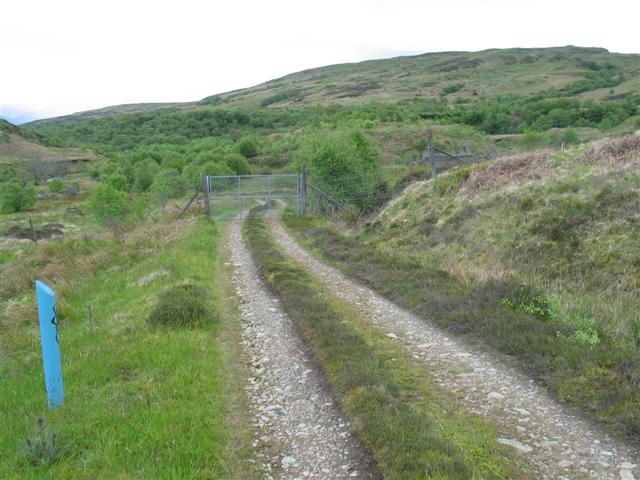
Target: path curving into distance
<point>556,441</point>
<point>299,430</point>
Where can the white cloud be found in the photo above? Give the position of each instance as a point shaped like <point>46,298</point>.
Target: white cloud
<point>73,55</point>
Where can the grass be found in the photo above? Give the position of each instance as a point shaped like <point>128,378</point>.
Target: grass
<point>411,428</point>
<point>544,271</point>
<point>141,402</point>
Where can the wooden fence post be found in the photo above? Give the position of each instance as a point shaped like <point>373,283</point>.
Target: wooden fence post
<point>434,173</point>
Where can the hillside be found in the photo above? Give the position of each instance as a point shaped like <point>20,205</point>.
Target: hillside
<point>28,151</point>
<point>465,75</point>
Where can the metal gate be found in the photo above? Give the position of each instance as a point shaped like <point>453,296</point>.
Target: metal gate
<point>232,197</point>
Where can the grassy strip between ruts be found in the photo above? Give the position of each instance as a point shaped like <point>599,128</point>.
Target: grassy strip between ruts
<point>408,426</point>
<point>602,380</point>
<point>141,401</point>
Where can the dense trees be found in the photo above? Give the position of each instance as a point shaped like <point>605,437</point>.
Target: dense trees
<point>15,194</point>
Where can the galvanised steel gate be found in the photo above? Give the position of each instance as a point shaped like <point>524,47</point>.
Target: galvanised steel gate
<point>231,197</point>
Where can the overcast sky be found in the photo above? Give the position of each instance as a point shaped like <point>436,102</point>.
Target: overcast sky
<point>63,56</point>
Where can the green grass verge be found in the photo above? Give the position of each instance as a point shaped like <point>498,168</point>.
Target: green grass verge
<point>409,426</point>
<point>601,379</point>
<point>141,401</point>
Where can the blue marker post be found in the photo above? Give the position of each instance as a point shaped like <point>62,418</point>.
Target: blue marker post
<point>50,344</point>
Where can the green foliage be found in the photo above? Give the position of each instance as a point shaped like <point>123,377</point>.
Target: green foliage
<point>144,172</point>
<point>56,185</point>
<point>117,181</point>
<point>215,169</point>
<point>168,184</point>
<point>452,182</point>
<point>238,164</point>
<point>107,205</point>
<point>248,146</point>
<point>534,304</point>
<point>15,194</point>
<point>345,165</point>
<point>452,88</point>
<point>279,97</point>
<point>185,305</point>
<point>570,135</point>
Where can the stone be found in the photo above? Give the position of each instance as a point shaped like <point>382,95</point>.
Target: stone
<point>524,448</point>
<point>495,396</point>
<point>288,461</point>
<point>628,466</point>
<point>392,335</point>
<point>564,464</point>
<point>626,474</point>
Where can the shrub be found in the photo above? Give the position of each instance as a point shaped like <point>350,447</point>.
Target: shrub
<point>16,195</point>
<point>107,205</point>
<point>452,88</point>
<point>117,181</point>
<point>56,185</point>
<point>452,182</point>
<point>238,164</point>
<point>346,165</point>
<point>248,146</point>
<point>183,305</point>
<point>168,184</point>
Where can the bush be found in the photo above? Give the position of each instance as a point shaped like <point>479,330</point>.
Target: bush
<point>168,184</point>
<point>452,88</point>
<point>15,195</point>
<point>117,181</point>
<point>56,185</point>
<point>248,147</point>
<point>238,164</point>
<point>183,305</point>
<point>345,165</point>
<point>107,205</point>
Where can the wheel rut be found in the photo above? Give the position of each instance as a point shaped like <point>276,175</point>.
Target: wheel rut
<point>299,430</point>
<point>557,442</point>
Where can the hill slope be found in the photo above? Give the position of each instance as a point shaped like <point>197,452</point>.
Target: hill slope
<point>464,75</point>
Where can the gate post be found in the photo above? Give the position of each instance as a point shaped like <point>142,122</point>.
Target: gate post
<point>205,190</point>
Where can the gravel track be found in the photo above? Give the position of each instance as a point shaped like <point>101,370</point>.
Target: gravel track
<point>557,442</point>
<point>299,430</point>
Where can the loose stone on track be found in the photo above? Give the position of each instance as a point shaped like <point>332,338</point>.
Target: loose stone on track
<point>299,431</point>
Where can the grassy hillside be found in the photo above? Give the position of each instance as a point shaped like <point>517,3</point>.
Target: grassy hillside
<point>457,76</point>
<point>535,255</point>
<point>23,148</point>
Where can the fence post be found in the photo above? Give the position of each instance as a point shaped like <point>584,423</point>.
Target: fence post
<point>205,190</point>
<point>434,172</point>
<point>304,188</point>
<point>269,196</point>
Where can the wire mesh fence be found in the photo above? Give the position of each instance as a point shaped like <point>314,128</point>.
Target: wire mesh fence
<point>232,197</point>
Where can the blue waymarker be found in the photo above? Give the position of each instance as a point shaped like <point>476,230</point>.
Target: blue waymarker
<point>50,344</point>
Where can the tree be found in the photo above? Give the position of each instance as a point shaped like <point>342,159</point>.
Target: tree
<point>15,195</point>
<point>344,165</point>
<point>248,146</point>
<point>144,173</point>
<point>238,164</point>
<point>117,181</point>
<point>168,184</point>
<point>108,206</point>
